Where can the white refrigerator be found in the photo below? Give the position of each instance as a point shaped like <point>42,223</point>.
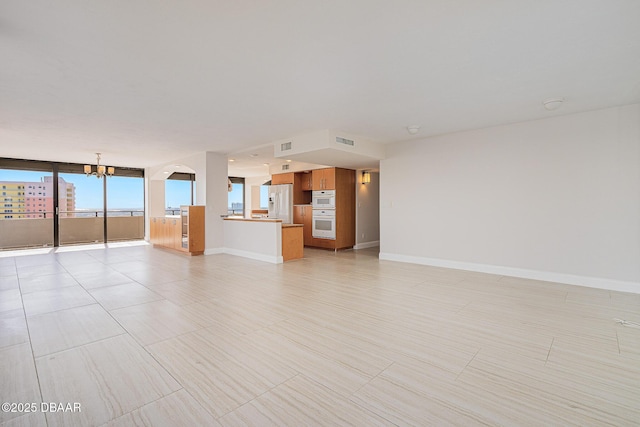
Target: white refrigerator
<point>281,202</point>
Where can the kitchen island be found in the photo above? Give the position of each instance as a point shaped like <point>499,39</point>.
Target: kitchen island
<point>263,239</point>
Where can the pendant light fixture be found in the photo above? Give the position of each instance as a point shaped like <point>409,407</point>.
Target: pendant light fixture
<point>100,171</point>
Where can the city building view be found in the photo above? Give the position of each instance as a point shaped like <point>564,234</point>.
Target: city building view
<point>27,207</point>
<point>35,199</point>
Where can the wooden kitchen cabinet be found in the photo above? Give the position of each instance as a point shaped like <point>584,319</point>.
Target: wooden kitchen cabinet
<point>324,179</point>
<point>302,214</point>
<point>184,233</point>
<point>191,230</point>
<point>282,178</point>
<point>300,195</point>
<point>341,180</point>
<point>172,230</point>
<point>306,181</point>
<point>154,230</point>
<point>345,186</point>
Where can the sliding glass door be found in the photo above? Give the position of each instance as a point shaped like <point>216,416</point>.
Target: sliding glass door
<point>26,208</point>
<point>51,204</point>
<point>125,208</point>
<point>81,213</point>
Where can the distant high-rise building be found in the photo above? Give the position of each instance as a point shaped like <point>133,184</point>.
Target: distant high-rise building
<point>35,199</point>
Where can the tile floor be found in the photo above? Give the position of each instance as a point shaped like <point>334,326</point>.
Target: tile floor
<point>142,336</point>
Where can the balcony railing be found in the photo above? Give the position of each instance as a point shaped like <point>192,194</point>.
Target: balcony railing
<point>82,227</point>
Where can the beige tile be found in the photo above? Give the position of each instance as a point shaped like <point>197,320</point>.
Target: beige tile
<point>177,409</point>
<point>240,318</point>
<point>153,276</point>
<point>108,378</point>
<point>220,380</point>
<point>56,299</point>
<point>413,344</point>
<point>125,295</point>
<point>185,292</point>
<point>8,267</point>
<point>13,328</point>
<point>18,378</point>
<point>33,419</point>
<point>47,268</point>
<point>543,394</point>
<point>10,300</point>
<point>414,399</point>
<point>301,401</point>
<point>100,277</point>
<point>338,377</point>
<point>35,260</point>
<point>629,341</point>
<point>64,329</point>
<point>46,282</point>
<point>8,282</point>
<point>334,347</point>
<point>156,321</point>
<point>613,378</point>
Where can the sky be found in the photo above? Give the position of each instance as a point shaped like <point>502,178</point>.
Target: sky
<point>123,192</point>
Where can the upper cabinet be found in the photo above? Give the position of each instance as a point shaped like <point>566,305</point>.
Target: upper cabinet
<point>282,178</point>
<point>306,180</point>
<point>324,179</point>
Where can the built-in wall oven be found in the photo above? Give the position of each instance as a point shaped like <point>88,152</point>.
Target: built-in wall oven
<point>324,224</point>
<point>325,199</point>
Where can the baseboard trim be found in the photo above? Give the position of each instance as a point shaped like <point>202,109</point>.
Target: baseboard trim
<point>569,279</point>
<point>214,251</point>
<point>366,245</point>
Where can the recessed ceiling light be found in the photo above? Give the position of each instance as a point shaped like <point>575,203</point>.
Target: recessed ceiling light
<point>166,171</point>
<point>253,155</point>
<point>413,129</point>
<point>176,166</point>
<point>265,164</point>
<point>232,160</point>
<point>553,103</point>
<point>288,160</point>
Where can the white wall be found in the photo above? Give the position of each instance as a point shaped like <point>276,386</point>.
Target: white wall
<point>367,211</point>
<point>553,199</point>
<point>154,199</point>
<point>261,240</point>
<point>211,191</point>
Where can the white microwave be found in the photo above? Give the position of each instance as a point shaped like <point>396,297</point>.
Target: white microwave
<point>325,199</point>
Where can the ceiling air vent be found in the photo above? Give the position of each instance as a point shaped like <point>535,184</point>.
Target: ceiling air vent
<point>285,146</point>
<point>285,167</point>
<point>345,141</point>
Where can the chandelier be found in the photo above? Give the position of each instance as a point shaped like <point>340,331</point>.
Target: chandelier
<point>100,171</point>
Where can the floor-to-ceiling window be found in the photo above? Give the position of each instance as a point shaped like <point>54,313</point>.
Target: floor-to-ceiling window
<point>125,207</point>
<point>81,209</point>
<point>236,197</point>
<point>179,190</point>
<point>52,204</point>
<point>26,204</point>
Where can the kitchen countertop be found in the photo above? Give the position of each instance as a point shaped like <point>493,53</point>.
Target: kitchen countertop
<point>254,219</point>
<point>264,220</point>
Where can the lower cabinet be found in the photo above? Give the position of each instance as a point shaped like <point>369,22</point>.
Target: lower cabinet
<point>184,233</point>
<point>302,214</point>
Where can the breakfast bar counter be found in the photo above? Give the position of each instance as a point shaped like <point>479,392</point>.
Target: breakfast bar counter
<point>265,239</point>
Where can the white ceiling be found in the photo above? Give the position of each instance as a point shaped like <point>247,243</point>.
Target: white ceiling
<point>149,81</point>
